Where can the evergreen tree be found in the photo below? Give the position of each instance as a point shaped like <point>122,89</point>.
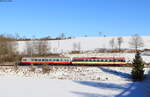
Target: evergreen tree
<point>137,71</point>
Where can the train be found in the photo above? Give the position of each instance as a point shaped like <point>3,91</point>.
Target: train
<point>75,61</point>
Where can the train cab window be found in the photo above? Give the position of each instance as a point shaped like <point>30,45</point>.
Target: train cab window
<point>24,59</point>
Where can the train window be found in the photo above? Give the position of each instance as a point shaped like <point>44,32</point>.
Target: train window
<point>87,60</point>
<point>75,59</point>
<point>122,60</point>
<point>101,60</point>
<point>42,59</point>
<point>39,59</point>
<point>57,59</point>
<point>35,59</point>
<point>54,60</point>
<point>49,59</point>
<point>116,60</point>
<point>46,59</point>
<point>110,60</point>
<point>98,60</point>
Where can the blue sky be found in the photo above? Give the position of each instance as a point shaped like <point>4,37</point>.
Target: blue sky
<point>40,18</point>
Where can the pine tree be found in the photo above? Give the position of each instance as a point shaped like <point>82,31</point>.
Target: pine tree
<point>137,71</point>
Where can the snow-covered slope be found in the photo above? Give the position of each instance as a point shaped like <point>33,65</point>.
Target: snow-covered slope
<point>86,43</point>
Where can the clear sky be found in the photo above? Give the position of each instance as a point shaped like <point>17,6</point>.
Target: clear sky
<point>41,18</point>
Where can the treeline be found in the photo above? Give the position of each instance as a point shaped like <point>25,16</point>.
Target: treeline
<point>8,50</point>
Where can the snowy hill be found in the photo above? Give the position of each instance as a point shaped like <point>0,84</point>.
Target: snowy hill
<point>87,43</point>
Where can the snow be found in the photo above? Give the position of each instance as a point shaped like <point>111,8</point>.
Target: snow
<point>72,82</point>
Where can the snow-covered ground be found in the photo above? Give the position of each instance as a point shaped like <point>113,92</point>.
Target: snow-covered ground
<point>26,87</point>
<point>102,82</point>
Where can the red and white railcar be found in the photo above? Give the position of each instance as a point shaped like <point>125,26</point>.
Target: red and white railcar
<point>98,61</point>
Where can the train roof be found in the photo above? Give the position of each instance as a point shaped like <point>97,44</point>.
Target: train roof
<point>99,57</point>
<point>43,57</point>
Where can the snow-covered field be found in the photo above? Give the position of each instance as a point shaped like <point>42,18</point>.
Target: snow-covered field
<point>75,82</point>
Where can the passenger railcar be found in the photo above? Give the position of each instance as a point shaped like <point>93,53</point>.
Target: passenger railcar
<point>98,61</point>
<point>45,60</point>
<point>86,61</point>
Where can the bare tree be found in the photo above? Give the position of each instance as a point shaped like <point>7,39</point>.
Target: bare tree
<point>62,35</point>
<point>136,42</point>
<point>112,43</point>
<point>77,46</point>
<point>30,48</point>
<point>120,41</point>
<point>74,46</point>
<point>7,48</point>
<point>41,47</point>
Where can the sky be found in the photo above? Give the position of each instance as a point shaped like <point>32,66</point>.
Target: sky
<point>77,18</point>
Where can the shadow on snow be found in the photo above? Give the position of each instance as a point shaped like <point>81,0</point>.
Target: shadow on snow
<point>130,89</point>
<point>117,73</point>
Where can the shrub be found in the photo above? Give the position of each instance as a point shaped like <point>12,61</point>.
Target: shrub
<point>45,68</point>
<point>32,68</point>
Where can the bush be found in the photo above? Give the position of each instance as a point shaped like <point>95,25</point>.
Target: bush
<point>32,68</point>
<point>137,71</point>
<point>45,68</point>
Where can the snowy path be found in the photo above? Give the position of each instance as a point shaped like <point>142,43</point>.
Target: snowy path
<point>28,87</point>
